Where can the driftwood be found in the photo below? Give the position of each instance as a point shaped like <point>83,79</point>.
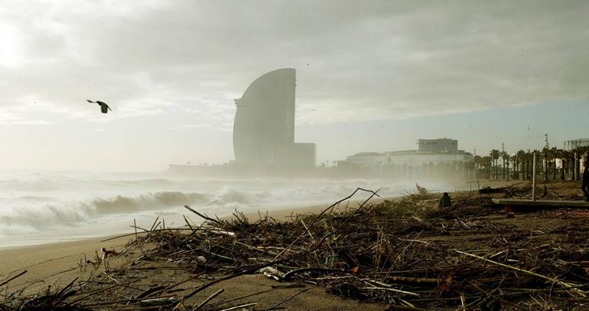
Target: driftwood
<point>400,252</point>
<point>489,190</point>
<point>13,278</point>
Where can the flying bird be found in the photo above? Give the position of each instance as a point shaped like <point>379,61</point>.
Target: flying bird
<point>103,106</point>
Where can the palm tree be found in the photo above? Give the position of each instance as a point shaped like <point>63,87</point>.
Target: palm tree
<point>494,157</point>
<point>487,163</point>
<point>478,165</point>
<point>469,169</point>
<point>505,162</point>
<point>520,157</point>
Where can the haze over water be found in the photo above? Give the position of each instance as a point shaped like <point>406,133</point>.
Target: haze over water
<point>43,207</point>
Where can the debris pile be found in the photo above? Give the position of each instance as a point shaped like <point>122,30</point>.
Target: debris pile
<point>406,253</point>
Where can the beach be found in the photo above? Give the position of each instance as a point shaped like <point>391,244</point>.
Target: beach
<point>384,253</point>
<point>44,261</point>
<point>54,265</point>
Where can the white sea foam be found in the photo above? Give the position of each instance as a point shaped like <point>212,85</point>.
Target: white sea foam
<point>68,205</point>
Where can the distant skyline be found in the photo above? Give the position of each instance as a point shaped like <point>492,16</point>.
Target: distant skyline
<point>371,76</point>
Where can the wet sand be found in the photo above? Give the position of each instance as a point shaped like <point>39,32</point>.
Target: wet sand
<point>39,267</point>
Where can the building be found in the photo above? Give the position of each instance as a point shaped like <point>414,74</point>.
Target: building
<point>441,145</point>
<point>264,129</point>
<point>430,151</point>
<point>433,157</point>
<point>576,144</point>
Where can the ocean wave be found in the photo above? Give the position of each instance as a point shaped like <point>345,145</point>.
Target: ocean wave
<point>159,200</point>
<point>236,195</point>
<point>33,220</point>
<point>44,202</point>
<point>40,215</point>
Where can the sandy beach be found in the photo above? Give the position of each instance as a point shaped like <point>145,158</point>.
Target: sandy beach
<point>44,261</point>
<point>438,266</point>
<point>39,267</point>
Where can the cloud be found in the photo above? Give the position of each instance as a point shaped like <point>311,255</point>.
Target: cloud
<point>355,61</point>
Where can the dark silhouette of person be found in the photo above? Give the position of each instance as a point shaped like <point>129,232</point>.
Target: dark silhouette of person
<point>445,200</point>
<point>585,186</point>
<point>103,106</point>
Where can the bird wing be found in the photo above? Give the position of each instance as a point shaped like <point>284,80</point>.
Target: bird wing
<point>103,104</point>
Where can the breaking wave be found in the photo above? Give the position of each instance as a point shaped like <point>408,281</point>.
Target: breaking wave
<point>27,213</point>
<point>34,214</point>
<point>40,203</point>
<point>159,200</point>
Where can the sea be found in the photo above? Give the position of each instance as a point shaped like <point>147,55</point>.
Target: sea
<point>45,207</point>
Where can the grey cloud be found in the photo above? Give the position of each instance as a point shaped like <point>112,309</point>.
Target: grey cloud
<point>382,59</point>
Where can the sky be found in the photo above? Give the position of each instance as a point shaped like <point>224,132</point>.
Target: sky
<point>371,76</point>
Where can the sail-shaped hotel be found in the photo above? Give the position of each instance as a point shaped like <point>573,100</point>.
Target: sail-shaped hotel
<point>264,129</point>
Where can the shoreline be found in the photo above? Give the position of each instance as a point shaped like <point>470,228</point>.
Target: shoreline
<point>75,234</point>
<point>40,268</point>
<point>55,262</point>
<point>39,240</point>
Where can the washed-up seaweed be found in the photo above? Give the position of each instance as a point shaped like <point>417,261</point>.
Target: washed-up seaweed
<point>406,253</point>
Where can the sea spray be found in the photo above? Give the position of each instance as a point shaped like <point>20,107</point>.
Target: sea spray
<point>63,204</point>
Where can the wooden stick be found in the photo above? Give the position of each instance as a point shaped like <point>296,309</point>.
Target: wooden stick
<point>155,224</point>
<point>203,216</point>
<point>243,306</point>
<point>14,277</point>
<point>384,286</point>
<point>188,223</point>
<point>217,293</point>
<point>288,276</point>
<point>551,279</point>
<point>146,232</point>
<point>224,302</point>
<point>408,279</point>
<point>317,218</point>
<point>293,296</point>
<point>390,290</point>
<point>62,291</point>
<point>307,228</point>
<point>135,226</point>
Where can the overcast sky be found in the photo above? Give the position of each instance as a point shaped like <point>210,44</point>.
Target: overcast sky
<point>371,76</point>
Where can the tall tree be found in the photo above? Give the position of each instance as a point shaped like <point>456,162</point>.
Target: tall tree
<point>505,164</point>
<point>520,157</point>
<point>494,157</point>
<point>487,164</point>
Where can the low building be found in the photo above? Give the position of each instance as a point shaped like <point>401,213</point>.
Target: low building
<point>576,144</point>
<point>433,157</point>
